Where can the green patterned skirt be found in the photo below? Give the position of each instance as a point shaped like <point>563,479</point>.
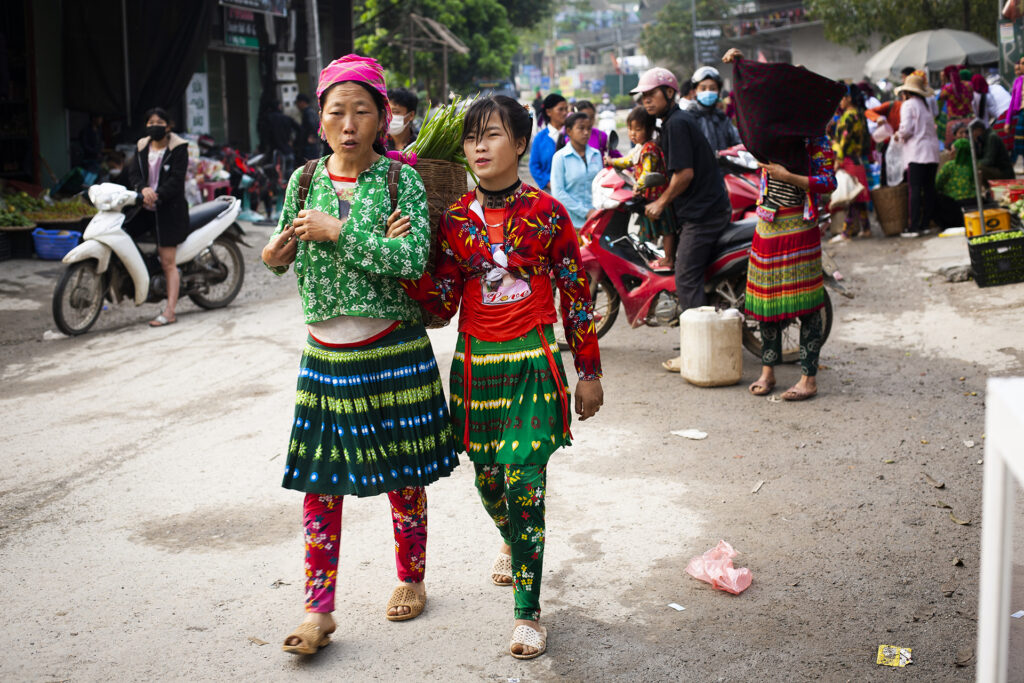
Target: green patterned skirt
<point>651,230</point>
<point>518,404</point>
<point>370,419</point>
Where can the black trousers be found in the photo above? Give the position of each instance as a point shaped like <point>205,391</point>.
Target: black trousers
<point>921,178</point>
<point>949,213</point>
<point>694,253</point>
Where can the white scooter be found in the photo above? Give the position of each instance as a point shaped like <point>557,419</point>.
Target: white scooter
<point>109,265</point>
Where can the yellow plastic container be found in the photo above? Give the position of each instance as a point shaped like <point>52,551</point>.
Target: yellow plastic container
<point>995,220</point>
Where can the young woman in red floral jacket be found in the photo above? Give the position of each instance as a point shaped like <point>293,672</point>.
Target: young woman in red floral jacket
<point>500,246</point>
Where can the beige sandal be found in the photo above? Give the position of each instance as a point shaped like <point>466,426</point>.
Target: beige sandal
<point>403,596</point>
<point>528,636</point>
<point>311,639</point>
<point>673,364</point>
<point>502,567</point>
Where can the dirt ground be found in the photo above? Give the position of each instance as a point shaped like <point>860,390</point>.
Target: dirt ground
<point>144,535</point>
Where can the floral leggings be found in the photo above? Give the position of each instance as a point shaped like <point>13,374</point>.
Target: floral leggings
<point>322,520</point>
<point>810,343</point>
<point>513,496</point>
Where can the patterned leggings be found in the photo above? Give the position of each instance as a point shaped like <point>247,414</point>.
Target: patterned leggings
<point>513,496</point>
<point>322,520</point>
<point>810,343</point>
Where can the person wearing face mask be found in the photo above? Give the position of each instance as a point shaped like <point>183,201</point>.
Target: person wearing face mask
<point>401,131</point>
<point>158,172</point>
<point>716,126</point>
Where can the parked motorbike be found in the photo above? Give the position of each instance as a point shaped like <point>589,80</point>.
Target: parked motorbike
<point>109,266</point>
<point>622,269</point>
<point>606,122</point>
<point>742,180</point>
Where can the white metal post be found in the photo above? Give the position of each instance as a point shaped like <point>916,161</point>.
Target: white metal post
<point>1004,467</point>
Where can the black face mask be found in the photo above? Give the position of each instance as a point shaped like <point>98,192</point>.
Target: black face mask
<point>156,132</point>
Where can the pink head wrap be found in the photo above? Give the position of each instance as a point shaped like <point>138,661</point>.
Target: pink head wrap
<point>362,70</point>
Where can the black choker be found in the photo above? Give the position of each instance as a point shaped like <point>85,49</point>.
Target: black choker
<point>496,199</point>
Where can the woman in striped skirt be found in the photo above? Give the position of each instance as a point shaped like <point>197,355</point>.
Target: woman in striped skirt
<point>784,278</point>
<point>370,415</point>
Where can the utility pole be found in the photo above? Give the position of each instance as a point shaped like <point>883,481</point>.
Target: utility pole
<point>313,38</point>
<point>444,71</point>
<point>693,7</point>
<point>412,55</point>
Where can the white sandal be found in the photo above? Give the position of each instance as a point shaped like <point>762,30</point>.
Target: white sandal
<point>529,637</point>
<point>502,567</point>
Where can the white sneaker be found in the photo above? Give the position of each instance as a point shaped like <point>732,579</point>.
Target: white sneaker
<point>910,234</point>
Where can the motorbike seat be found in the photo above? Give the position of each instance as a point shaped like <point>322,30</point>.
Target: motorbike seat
<point>737,233</point>
<point>201,214</point>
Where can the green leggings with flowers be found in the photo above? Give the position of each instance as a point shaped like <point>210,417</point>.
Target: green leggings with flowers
<point>513,496</point>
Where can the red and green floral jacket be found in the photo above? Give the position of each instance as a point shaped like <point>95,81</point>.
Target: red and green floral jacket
<point>539,241</point>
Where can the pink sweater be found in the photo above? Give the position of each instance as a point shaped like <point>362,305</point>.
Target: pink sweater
<point>918,134</point>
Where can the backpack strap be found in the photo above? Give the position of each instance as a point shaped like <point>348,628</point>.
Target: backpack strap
<point>394,174</point>
<point>305,180</point>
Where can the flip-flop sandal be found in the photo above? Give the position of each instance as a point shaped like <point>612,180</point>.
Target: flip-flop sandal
<point>761,388</point>
<point>529,637</point>
<point>502,567</point>
<point>311,639</point>
<point>161,321</point>
<point>672,364</point>
<point>403,596</point>
<point>798,395</point>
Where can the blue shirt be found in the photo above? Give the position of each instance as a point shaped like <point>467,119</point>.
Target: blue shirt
<point>571,178</point>
<point>543,149</point>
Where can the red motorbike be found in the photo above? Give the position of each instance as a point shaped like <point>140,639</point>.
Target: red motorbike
<point>623,269</point>
<point>742,180</point>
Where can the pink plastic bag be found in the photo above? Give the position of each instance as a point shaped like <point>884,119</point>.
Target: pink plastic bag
<point>715,567</point>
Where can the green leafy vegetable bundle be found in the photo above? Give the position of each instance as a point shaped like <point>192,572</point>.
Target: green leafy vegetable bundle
<point>441,135</point>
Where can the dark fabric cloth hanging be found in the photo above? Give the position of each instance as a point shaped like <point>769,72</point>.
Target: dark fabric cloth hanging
<point>166,42</point>
<point>779,106</point>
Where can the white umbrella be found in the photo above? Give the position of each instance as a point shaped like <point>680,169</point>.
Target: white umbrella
<point>931,51</point>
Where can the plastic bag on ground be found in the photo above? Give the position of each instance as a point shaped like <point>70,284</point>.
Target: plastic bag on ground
<point>715,567</point>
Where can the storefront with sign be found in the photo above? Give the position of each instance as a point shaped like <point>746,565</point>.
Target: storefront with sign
<point>231,74</point>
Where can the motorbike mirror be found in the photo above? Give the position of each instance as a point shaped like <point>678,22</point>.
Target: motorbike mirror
<point>655,180</point>
<point>745,158</point>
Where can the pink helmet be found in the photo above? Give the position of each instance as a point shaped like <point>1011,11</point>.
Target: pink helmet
<point>653,78</point>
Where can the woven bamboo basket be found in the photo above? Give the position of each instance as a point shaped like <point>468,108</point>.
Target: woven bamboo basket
<point>445,182</point>
<point>891,208</point>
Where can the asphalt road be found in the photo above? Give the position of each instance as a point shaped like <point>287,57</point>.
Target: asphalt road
<point>144,535</point>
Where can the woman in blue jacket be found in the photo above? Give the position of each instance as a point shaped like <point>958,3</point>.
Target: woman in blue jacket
<point>545,144</point>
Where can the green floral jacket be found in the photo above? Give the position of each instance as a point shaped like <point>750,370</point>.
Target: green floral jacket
<point>359,275</point>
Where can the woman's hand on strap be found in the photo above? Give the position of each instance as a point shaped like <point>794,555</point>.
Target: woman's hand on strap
<point>280,251</point>
<point>316,226</point>
<point>398,225</point>
<point>589,398</point>
<point>777,171</point>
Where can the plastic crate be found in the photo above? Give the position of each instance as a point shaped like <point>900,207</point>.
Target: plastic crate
<point>52,245</point>
<point>999,262</point>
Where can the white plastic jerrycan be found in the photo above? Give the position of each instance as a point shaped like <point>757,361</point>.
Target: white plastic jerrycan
<point>711,346</point>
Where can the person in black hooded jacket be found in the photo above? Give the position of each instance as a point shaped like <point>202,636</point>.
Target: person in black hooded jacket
<point>158,171</point>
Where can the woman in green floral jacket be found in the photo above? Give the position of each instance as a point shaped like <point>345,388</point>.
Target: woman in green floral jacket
<point>370,414</point>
